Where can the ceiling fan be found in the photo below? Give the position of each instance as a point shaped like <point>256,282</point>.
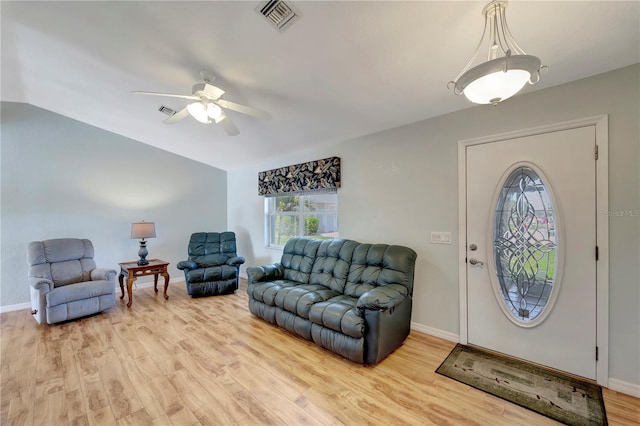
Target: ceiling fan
<point>209,106</point>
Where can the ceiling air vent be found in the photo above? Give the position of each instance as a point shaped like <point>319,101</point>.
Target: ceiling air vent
<point>166,110</point>
<point>279,14</point>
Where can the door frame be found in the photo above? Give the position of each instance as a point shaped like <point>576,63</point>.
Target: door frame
<point>601,123</point>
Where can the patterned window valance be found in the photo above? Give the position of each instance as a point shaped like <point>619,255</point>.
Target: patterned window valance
<point>314,176</point>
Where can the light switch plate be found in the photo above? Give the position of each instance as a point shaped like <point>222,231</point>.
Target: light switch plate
<point>440,237</point>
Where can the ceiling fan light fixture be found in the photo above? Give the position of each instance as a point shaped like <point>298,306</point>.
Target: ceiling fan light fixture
<point>207,106</point>
<point>199,112</point>
<point>498,78</point>
<point>213,110</point>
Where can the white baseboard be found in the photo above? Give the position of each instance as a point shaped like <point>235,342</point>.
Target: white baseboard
<point>452,337</point>
<point>624,387</point>
<point>16,307</point>
<point>147,284</point>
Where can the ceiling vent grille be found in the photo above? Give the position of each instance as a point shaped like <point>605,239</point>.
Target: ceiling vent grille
<point>166,110</point>
<point>278,13</point>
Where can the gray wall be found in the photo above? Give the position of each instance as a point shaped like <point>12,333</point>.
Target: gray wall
<point>401,184</point>
<point>63,178</point>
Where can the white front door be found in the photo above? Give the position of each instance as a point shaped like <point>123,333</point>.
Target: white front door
<point>531,248</point>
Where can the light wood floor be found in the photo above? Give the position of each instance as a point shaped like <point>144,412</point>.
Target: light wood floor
<point>209,361</point>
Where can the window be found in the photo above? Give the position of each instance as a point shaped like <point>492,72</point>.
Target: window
<point>310,215</point>
<point>525,244</point>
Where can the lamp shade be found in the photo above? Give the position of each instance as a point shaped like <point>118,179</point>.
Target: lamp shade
<point>143,230</point>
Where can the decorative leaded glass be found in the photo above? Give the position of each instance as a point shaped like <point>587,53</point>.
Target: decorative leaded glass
<point>525,244</point>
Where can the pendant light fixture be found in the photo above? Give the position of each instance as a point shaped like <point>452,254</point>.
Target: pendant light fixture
<point>507,68</point>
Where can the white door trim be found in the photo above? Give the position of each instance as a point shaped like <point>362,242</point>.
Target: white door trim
<point>601,124</point>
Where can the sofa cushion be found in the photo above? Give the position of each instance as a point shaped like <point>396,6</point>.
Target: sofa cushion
<point>79,291</point>
<point>68,272</point>
<point>340,314</point>
<point>376,265</point>
<point>297,259</point>
<point>343,345</point>
<point>62,260</point>
<point>61,249</point>
<point>293,323</point>
<point>211,260</point>
<point>299,299</point>
<point>211,248</point>
<point>331,265</point>
<point>212,273</point>
<point>209,288</point>
<point>266,291</point>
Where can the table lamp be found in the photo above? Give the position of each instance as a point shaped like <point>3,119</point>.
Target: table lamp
<point>143,230</point>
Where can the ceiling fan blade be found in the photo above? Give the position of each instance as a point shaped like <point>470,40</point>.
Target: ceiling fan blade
<point>228,125</point>
<point>137,92</point>
<point>210,90</point>
<point>177,116</point>
<point>244,109</point>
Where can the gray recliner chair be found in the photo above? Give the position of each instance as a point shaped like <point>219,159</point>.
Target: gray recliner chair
<point>64,281</point>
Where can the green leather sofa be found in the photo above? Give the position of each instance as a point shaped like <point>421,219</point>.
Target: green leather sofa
<point>353,299</point>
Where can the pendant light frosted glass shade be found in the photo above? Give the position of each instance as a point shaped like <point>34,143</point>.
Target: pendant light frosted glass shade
<point>494,87</point>
<point>494,81</point>
<point>498,78</point>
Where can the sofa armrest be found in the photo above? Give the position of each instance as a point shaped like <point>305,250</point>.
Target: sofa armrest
<point>43,285</point>
<point>265,273</point>
<point>235,261</point>
<point>187,264</point>
<point>103,274</point>
<point>383,297</point>
<point>38,289</point>
<point>385,330</point>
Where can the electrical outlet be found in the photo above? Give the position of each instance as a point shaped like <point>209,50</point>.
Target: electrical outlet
<point>441,238</point>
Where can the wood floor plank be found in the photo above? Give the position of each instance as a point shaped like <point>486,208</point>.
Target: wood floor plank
<point>208,361</point>
<point>138,418</point>
<point>163,390</point>
<point>151,394</point>
<point>214,384</point>
<point>122,397</point>
<point>11,324</point>
<point>19,411</point>
<point>101,417</point>
<point>266,388</point>
<point>52,409</point>
<point>76,408</point>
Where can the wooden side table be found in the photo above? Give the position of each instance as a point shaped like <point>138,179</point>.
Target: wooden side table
<point>132,271</point>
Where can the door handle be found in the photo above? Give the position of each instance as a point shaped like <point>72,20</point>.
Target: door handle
<point>475,262</point>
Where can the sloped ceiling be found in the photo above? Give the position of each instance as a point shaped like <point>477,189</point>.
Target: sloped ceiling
<point>344,70</point>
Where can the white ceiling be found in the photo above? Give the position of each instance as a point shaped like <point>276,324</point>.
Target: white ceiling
<point>344,70</point>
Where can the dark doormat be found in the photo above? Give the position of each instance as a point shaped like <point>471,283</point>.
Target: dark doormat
<point>552,394</point>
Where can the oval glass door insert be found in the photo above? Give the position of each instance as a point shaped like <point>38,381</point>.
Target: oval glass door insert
<point>525,246</point>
